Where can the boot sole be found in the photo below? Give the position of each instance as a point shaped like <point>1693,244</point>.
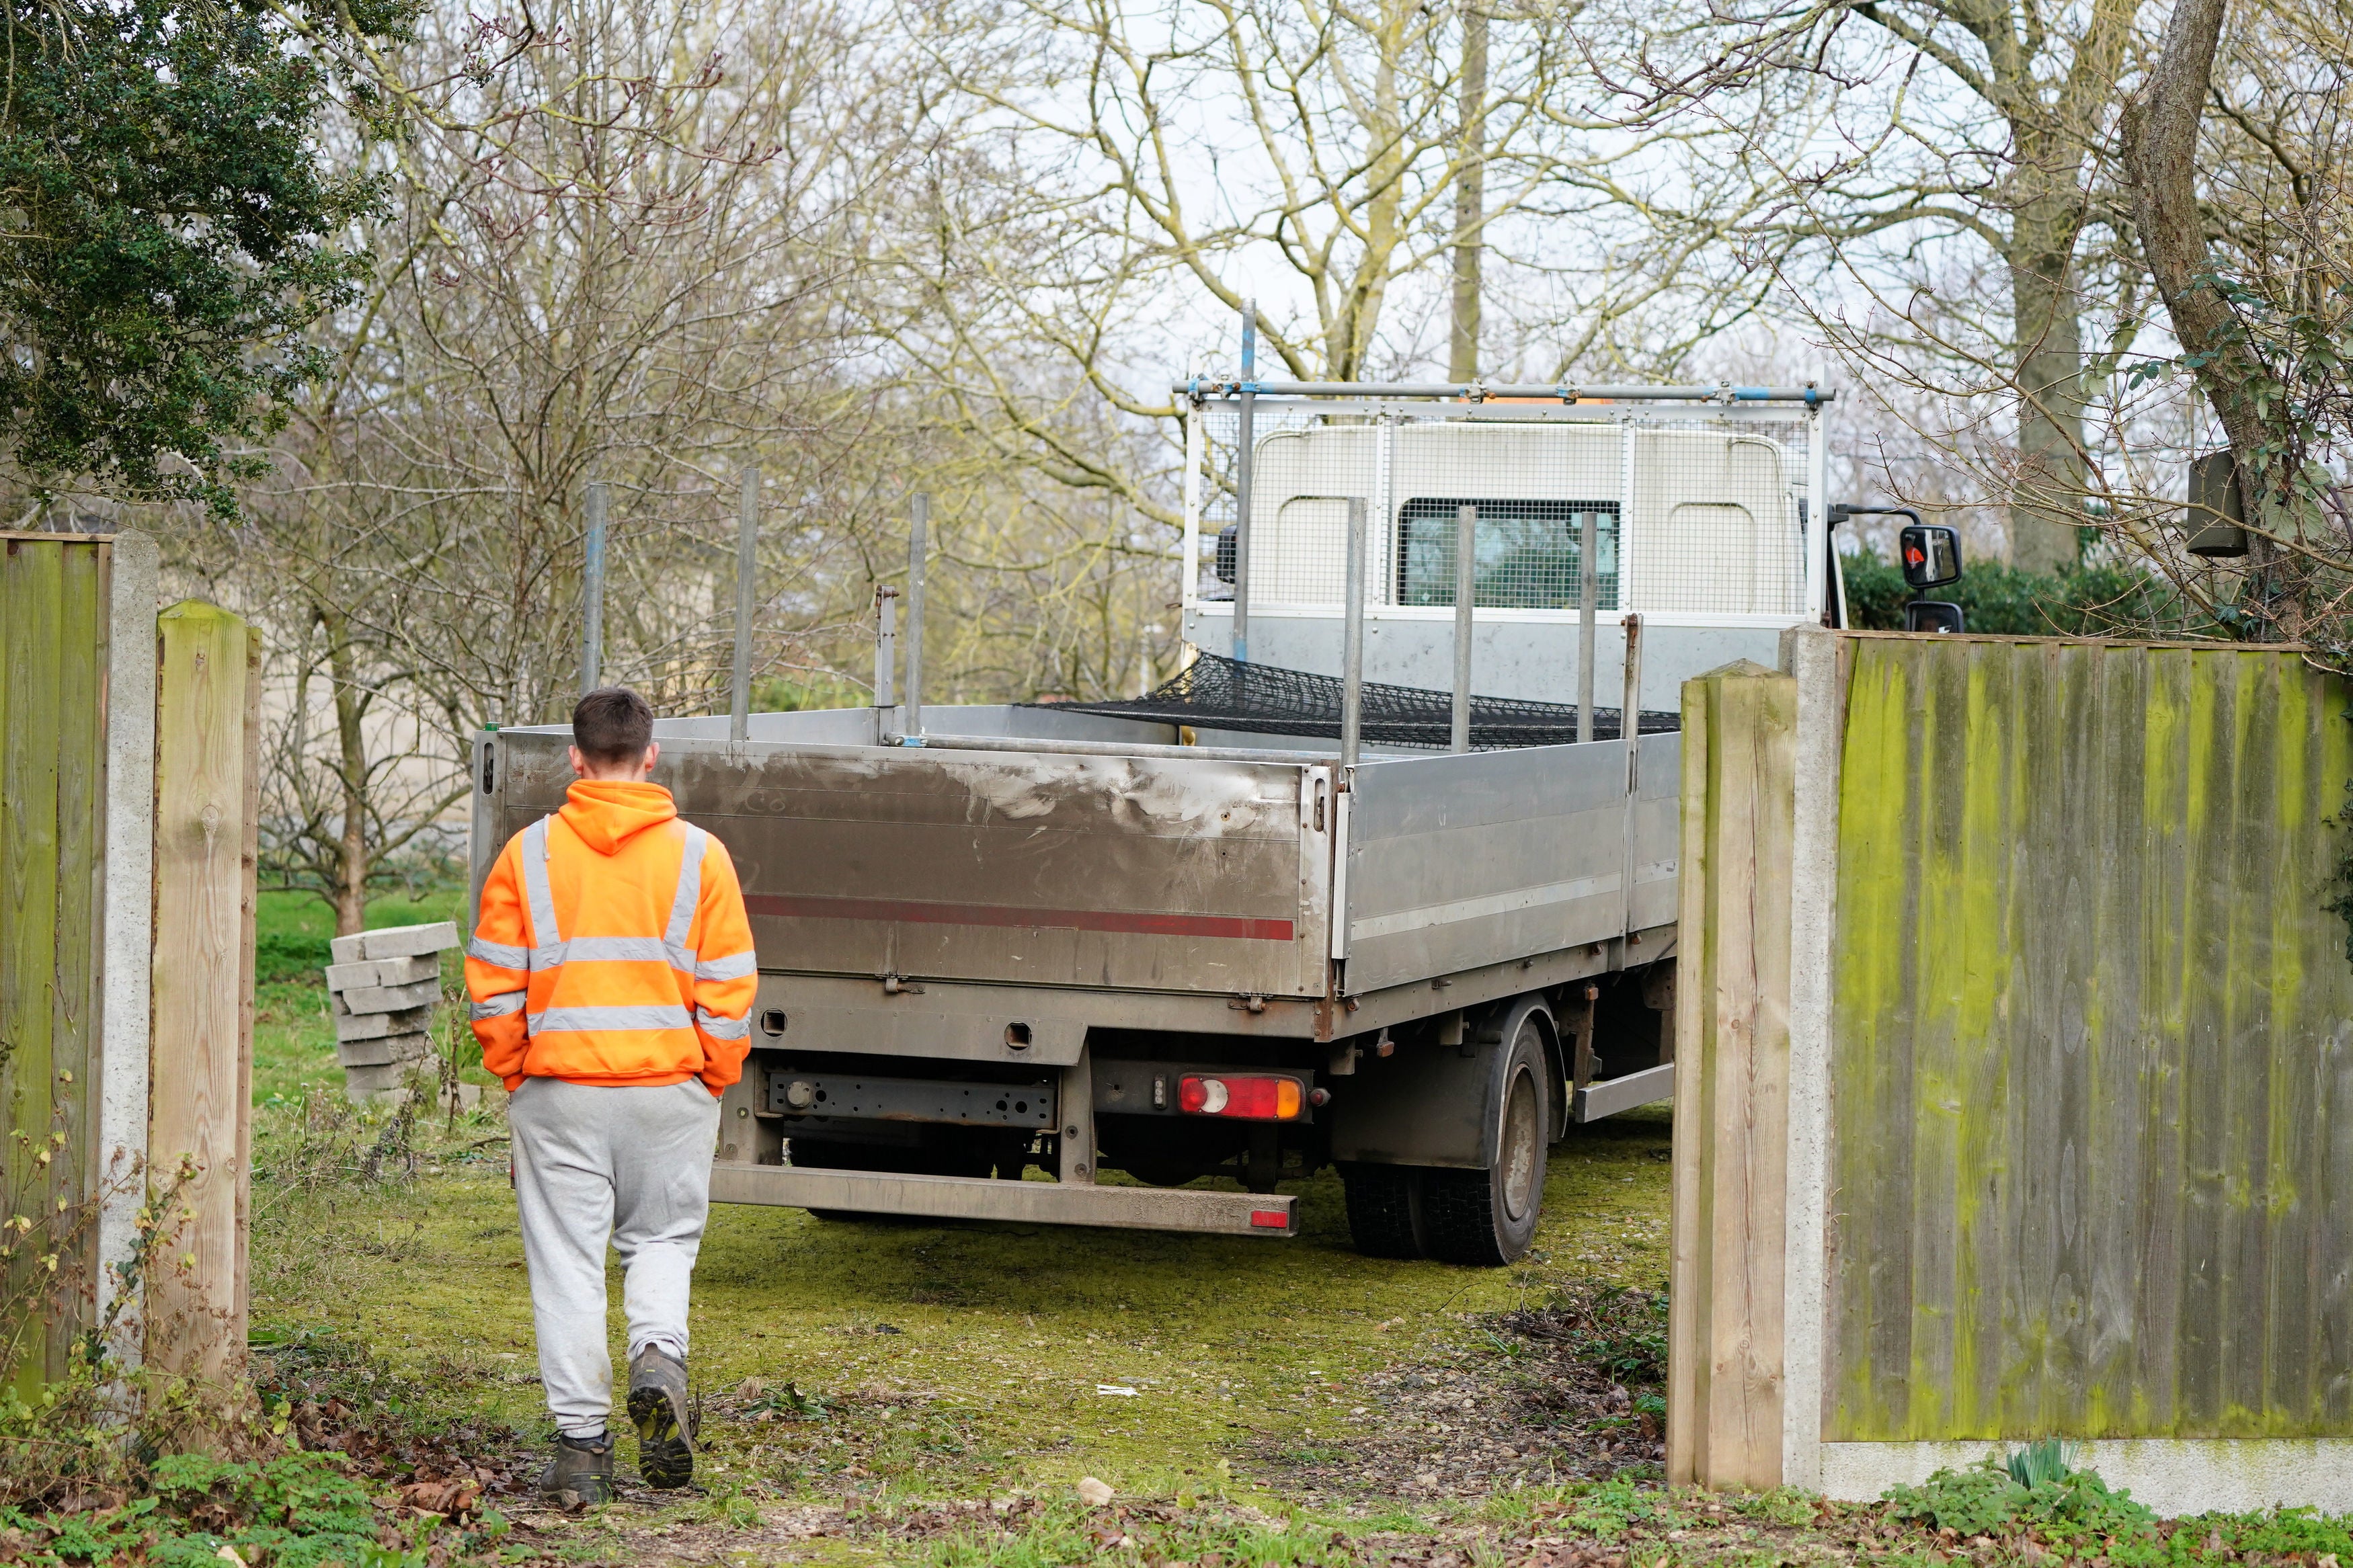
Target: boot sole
<point>663,1457</point>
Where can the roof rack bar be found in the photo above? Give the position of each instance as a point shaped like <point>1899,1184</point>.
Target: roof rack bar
<point>1477,392</point>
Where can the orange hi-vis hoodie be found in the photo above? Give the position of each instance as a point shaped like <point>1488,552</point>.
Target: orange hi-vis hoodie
<point>611,948</point>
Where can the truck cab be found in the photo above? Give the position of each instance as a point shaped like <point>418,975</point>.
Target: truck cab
<point>1704,531</point>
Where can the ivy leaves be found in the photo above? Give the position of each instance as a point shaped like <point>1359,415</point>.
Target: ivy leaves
<point>171,221</point>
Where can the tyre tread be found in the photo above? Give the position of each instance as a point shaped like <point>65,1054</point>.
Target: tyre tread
<point>1381,1200</point>
<point>1463,1217</point>
<point>1458,1213</point>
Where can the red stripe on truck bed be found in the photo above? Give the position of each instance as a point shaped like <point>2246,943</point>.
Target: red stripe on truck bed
<point>918,911</point>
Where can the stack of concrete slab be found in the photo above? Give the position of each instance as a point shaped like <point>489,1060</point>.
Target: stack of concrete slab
<point>385,984</point>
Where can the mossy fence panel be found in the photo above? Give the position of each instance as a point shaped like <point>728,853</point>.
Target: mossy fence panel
<point>128,818</point>
<point>2069,1078</point>
<point>52,767</point>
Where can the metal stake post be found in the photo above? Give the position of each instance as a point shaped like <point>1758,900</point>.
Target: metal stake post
<point>1629,729</point>
<point>1588,589</point>
<point>1466,562</point>
<point>747,562</point>
<point>918,529</point>
<point>592,593</point>
<point>1629,708</point>
<point>886,649</point>
<point>1242,459</point>
<point>1352,690</point>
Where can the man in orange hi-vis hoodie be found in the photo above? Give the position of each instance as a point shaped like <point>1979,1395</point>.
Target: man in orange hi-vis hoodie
<point>612,975</point>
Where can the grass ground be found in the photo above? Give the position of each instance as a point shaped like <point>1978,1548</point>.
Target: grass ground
<point>947,1357</point>
<point>954,1359</point>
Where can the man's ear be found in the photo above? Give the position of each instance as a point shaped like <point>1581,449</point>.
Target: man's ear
<point>653,755</point>
<point>579,762</point>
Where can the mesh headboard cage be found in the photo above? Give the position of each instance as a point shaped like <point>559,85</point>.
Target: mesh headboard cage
<point>1699,510</point>
<point>1218,693</point>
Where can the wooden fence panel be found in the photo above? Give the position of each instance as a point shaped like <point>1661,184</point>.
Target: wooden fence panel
<point>52,652</point>
<point>2092,1053</point>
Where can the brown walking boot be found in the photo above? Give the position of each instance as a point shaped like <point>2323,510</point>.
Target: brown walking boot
<point>657,1410</point>
<point>581,1473</point>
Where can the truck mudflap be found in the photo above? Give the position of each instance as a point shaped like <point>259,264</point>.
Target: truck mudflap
<point>979,1197</point>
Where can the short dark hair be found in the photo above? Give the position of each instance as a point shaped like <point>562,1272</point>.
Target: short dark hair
<point>612,724</point>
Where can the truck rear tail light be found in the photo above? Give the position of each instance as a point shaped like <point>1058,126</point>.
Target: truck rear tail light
<point>1253,1097</point>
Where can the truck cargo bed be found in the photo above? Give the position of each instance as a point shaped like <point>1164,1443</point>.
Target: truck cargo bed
<point>1150,873</point>
<point>1008,943</point>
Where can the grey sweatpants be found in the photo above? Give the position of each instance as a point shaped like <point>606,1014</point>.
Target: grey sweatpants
<point>592,1163</point>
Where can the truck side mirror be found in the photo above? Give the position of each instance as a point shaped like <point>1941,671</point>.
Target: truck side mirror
<point>1228,550</point>
<point>1931,553</point>
<point>1931,615</point>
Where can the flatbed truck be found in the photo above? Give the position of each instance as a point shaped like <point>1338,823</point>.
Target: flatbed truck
<point>1094,964</point>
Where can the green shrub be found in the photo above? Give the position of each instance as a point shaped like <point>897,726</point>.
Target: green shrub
<point>2095,600</point>
<point>1974,1501</point>
<point>2034,1490</point>
<point>295,1512</point>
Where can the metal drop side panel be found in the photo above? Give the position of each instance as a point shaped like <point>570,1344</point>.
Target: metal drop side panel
<point>1463,861</point>
<point>1015,867</point>
<point>1657,832</point>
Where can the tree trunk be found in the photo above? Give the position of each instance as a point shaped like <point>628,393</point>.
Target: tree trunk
<point>352,773</point>
<point>1470,197</point>
<point>2047,334</point>
<point>2160,156</point>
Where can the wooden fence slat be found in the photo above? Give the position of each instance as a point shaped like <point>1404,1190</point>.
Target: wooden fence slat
<point>1727,1302</point>
<point>201,1095</point>
<point>74,995</point>
<point>2293,1265</point>
<point>249,905</point>
<point>2112,956</point>
<point>31,585</point>
<point>2165,1065</point>
<point>1684,1316</point>
<point>2207,955</point>
<point>1869,1317</point>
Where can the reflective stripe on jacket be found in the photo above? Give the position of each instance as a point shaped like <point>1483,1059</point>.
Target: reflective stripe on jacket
<point>611,947</point>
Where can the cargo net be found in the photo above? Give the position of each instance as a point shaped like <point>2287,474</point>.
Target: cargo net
<point>1690,512</point>
<point>1218,693</point>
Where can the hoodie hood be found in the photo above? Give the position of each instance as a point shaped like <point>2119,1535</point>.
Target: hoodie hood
<point>606,814</point>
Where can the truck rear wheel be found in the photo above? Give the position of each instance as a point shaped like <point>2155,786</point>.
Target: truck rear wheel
<point>1384,1209</point>
<point>1487,1218</point>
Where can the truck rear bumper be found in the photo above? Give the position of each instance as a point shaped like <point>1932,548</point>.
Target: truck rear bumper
<point>1036,1203</point>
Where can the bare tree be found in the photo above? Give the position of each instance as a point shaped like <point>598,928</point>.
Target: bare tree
<point>1131,174</point>
<point>2246,233</point>
<point>602,264</point>
<point>1959,129</point>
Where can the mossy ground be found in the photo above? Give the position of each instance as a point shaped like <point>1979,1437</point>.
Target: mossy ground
<point>950,1358</point>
